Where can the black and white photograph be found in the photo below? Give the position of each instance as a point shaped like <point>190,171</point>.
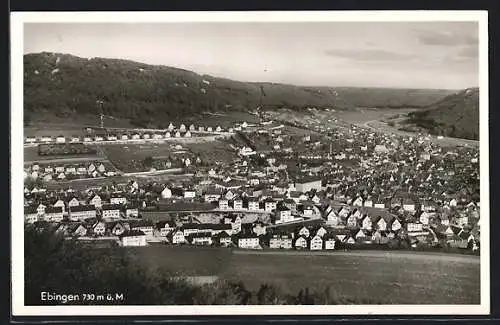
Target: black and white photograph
<point>250,163</point>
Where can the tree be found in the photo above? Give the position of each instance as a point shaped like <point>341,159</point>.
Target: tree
<point>148,162</point>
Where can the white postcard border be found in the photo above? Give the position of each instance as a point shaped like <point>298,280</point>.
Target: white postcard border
<point>17,157</point>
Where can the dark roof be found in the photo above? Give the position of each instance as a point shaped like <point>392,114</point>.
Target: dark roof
<point>111,207</point>
<point>140,223</point>
<point>131,233</point>
<point>201,234</point>
<point>79,208</point>
<point>30,210</point>
<point>50,209</point>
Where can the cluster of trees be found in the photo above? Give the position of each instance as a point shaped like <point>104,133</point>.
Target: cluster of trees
<point>148,95</point>
<point>457,115</point>
<point>78,269</point>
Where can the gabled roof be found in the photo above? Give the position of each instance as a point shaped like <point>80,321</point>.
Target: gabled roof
<point>79,208</point>
<point>132,233</point>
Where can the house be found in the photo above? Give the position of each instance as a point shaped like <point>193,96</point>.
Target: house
<point>414,226</point>
<point>368,203</point>
<point>30,214</point>
<point>259,229</point>
<point>46,139</point>
<point>53,214</point>
<point>101,169</point>
<point>117,228</point>
<point>131,211</point>
<point>60,139</point>
<point>424,218</point>
<point>394,224</point>
<point>30,140</point>
<point>133,238</point>
<point>253,205</point>
<point>222,239</point>
<point>201,238</point>
<point>166,193</point>
<point>462,220</point>
<point>146,136</point>
<point>177,237</point>
<point>329,241</point>
<point>307,210</point>
<point>428,206</point>
<point>136,136</point>
<point>223,204</point>
<point>321,232</point>
<point>352,221</point>
<point>316,243</point>
<point>189,194</point>
<point>408,205</point>
<point>238,204</point>
<point>111,211</point>
<point>291,204</point>
<point>164,228</point>
<point>212,196</point>
<point>236,224</point>
<point>269,205</point>
<point>304,232</point>
<point>380,223</point>
<point>117,200</point>
<point>283,215</point>
<point>79,231</point>
<point>358,202</point>
<point>81,170</point>
<point>96,201</point>
<point>82,212</point>
<point>124,137</point>
<point>99,228</point>
<point>70,170</point>
<point>332,217</point>
<point>249,242</point>
<point>366,222</point>
<point>60,203</point>
<point>361,234</point>
<point>275,242</point>
<point>301,243</point>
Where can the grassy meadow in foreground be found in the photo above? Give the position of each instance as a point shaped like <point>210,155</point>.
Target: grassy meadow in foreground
<point>392,278</point>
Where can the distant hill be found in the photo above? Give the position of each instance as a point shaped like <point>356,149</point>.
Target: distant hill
<point>66,85</point>
<point>456,115</point>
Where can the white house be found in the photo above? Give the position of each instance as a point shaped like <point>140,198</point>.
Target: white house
<point>330,243</point>
<point>166,193</point>
<point>133,238</point>
<point>248,242</point>
<point>111,211</point>
<point>60,139</point>
<point>316,243</point>
<point>301,243</point>
<point>177,237</point>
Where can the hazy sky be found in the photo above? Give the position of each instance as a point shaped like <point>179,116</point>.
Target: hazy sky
<point>377,54</point>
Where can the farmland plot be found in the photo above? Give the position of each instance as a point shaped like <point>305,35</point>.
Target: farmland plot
<point>384,277</point>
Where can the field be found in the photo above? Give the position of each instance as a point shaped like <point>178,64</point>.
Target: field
<point>212,152</point>
<point>31,155</point>
<point>388,277</point>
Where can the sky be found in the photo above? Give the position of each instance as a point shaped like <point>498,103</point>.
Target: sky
<point>362,54</point>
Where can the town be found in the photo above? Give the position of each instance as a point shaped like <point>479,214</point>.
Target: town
<point>319,184</point>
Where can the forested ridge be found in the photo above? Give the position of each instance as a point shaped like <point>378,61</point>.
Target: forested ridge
<point>65,85</point>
